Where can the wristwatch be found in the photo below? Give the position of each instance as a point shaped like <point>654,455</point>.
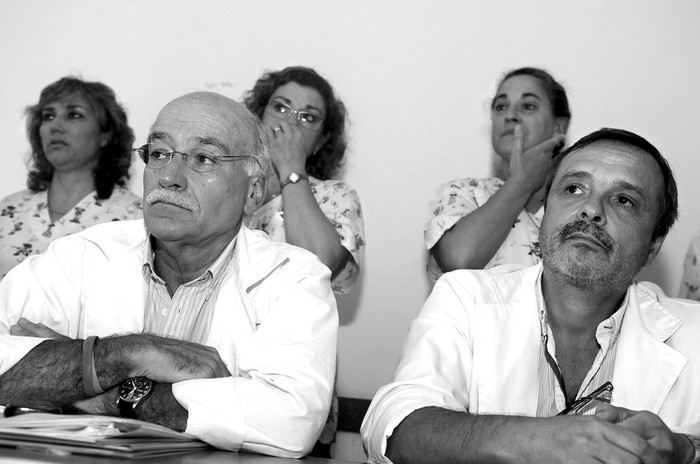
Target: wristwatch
<point>131,392</point>
<point>293,178</point>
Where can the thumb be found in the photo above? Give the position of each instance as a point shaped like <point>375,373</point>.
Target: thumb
<point>612,414</point>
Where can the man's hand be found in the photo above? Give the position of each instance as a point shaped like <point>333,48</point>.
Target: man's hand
<point>27,328</point>
<point>161,359</point>
<point>671,447</point>
<point>433,436</point>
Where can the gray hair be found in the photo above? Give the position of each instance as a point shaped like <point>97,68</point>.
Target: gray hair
<point>260,162</point>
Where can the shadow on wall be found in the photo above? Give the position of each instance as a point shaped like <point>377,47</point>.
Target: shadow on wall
<point>348,303</point>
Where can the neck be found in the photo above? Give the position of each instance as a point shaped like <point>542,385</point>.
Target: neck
<point>178,263</point>
<point>67,189</point>
<point>576,312</point>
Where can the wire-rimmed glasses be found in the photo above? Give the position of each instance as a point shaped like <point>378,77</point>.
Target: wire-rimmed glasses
<point>201,159</point>
<point>281,110</point>
<point>602,394</point>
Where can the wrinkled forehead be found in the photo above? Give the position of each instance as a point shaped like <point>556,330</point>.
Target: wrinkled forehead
<point>206,117</point>
<point>619,161</point>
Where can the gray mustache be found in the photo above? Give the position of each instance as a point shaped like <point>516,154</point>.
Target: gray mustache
<point>179,199</point>
<point>590,229</point>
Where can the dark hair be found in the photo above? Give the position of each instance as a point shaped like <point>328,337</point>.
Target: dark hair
<point>668,199</point>
<point>114,158</point>
<point>554,90</point>
<point>325,163</point>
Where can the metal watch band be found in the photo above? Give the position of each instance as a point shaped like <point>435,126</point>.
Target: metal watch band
<point>293,178</point>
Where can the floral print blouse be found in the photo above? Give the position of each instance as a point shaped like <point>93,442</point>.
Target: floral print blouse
<point>341,205</point>
<point>459,197</point>
<point>690,282</point>
<point>26,229</point>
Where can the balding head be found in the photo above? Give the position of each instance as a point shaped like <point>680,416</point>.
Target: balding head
<point>245,134</point>
<point>203,204</point>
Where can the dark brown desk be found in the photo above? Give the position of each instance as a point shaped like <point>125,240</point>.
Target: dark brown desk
<point>14,456</point>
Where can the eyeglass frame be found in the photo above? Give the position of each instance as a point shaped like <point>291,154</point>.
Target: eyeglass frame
<point>584,401</point>
<point>186,157</point>
<point>298,115</point>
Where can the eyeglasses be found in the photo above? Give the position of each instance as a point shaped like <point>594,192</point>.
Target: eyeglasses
<point>201,159</point>
<point>602,394</point>
<point>283,111</point>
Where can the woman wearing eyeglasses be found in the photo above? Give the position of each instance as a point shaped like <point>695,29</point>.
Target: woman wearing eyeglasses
<point>80,157</point>
<point>481,223</point>
<point>305,204</point>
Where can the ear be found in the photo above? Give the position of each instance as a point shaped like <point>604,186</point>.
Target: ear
<point>321,141</point>
<point>561,125</point>
<point>106,137</point>
<point>654,249</point>
<point>255,196</point>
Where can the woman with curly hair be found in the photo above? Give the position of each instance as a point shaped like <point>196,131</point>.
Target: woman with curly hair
<point>81,153</point>
<point>305,205</point>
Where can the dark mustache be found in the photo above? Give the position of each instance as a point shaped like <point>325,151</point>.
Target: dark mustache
<point>588,228</point>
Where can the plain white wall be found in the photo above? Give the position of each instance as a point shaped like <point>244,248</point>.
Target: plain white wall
<point>416,77</point>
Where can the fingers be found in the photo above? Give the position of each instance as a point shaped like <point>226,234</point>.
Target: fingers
<point>548,145</point>
<point>518,138</point>
<point>27,328</point>
<point>650,427</point>
<point>168,360</point>
<point>633,445</point>
<point>612,414</point>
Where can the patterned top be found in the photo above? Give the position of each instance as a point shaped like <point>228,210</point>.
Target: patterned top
<point>459,197</point>
<point>26,229</point>
<point>341,205</point>
<point>690,282</point>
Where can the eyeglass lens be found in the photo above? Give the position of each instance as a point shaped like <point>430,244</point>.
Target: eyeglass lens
<point>200,160</point>
<point>306,119</point>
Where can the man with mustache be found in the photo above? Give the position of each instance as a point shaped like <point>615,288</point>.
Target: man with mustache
<point>516,364</point>
<point>204,326</point>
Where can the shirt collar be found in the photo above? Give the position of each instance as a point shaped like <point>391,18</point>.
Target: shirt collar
<point>613,323</point>
<point>212,273</point>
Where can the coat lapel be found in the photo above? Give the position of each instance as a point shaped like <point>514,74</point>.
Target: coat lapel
<point>645,367</point>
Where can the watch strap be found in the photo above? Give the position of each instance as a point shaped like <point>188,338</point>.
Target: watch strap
<point>293,178</point>
<point>127,408</point>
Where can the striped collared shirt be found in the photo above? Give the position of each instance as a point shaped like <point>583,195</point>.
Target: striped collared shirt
<point>188,314</point>
<point>551,398</point>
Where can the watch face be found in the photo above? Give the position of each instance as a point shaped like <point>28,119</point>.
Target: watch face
<point>293,177</point>
<point>135,388</point>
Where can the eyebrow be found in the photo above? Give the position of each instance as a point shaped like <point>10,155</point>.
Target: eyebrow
<point>157,136</point>
<point>524,95</point>
<point>289,103</point>
<point>212,141</point>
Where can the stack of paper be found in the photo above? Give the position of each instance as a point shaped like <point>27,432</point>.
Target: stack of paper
<point>94,435</point>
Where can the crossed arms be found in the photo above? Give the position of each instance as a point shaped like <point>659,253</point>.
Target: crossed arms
<point>264,387</point>
<point>50,375</point>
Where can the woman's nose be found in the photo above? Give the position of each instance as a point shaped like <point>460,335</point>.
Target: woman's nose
<point>512,115</point>
<point>56,125</point>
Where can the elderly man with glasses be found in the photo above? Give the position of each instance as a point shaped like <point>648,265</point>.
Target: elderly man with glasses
<point>185,319</point>
<point>516,364</point>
